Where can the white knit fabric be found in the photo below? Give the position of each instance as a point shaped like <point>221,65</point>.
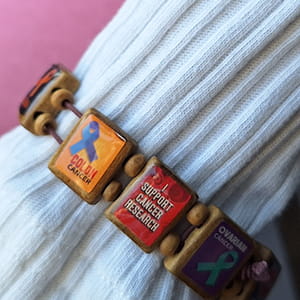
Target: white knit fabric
<point>213,88</point>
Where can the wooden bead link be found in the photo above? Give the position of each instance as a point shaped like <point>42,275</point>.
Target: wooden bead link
<point>42,121</point>
<point>198,214</point>
<point>58,98</point>
<point>169,244</point>
<point>134,165</point>
<point>112,191</point>
<point>233,289</point>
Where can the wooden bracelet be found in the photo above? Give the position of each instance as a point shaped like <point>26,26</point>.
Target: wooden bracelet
<point>202,246</point>
<point>94,151</point>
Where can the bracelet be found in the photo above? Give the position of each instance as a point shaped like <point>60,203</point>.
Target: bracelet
<point>202,246</point>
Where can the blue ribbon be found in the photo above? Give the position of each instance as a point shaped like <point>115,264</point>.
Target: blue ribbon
<point>90,134</point>
<point>217,267</point>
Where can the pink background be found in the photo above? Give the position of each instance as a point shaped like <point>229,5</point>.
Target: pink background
<point>34,34</point>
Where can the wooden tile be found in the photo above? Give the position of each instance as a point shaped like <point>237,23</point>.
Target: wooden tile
<point>212,255</point>
<point>91,155</point>
<point>38,100</point>
<point>151,205</point>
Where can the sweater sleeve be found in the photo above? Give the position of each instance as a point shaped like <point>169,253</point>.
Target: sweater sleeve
<point>212,89</point>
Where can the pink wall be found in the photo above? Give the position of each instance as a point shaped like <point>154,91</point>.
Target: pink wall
<point>34,34</point>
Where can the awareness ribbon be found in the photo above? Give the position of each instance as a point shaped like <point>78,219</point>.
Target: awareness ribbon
<point>90,134</point>
<point>217,267</point>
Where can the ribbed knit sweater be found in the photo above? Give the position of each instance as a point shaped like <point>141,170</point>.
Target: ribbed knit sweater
<point>212,88</point>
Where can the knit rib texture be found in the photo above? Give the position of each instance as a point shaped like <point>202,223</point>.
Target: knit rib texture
<point>211,87</point>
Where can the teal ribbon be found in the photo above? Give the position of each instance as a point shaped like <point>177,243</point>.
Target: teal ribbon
<point>217,267</point>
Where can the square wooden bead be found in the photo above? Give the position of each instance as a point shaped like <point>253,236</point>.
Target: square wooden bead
<point>151,205</point>
<point>91,155</point>
<point>212,255</point>
<point>38,100</point>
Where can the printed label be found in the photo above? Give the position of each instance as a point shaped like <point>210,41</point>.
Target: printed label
<point>152,204</point>
<point>215,262</point>
<point>52,73</point>
<point>89,152</point>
